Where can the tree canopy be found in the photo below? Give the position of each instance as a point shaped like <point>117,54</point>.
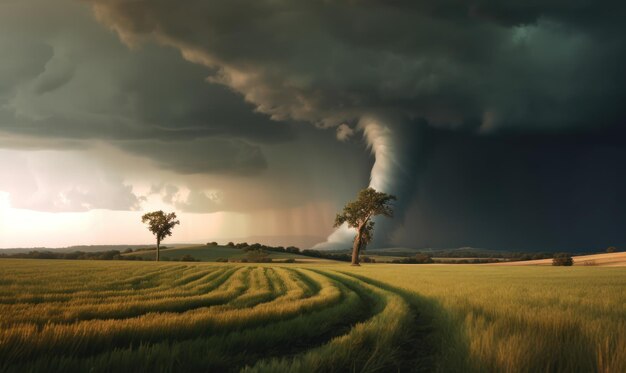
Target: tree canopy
<point>161,225</point>
<point>359,213</point>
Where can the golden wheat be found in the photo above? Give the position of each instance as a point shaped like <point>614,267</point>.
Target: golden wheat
<point>120,316</point>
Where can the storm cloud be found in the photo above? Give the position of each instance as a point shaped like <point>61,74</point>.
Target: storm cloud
<point>77,82</point>
<point>213,101</point>
<point>483,65</point>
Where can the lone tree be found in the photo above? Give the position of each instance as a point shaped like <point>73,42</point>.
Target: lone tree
<point>359,213</point>
<point>161,225</point>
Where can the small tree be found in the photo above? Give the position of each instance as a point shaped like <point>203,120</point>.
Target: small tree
<point>562,259</point>
<point>161,225</point>
<point>359,213</point>
<point>611,249</point>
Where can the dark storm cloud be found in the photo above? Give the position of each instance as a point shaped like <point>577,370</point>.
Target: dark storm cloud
<point>299,172</point>
<point>201,156</point>
<point>155,94</point>
<point>482,66</point>
<point>521,192</point>
<point>65,83</point>
<point>541,65</point>
<point>20,61</point>
<point>497,68</point>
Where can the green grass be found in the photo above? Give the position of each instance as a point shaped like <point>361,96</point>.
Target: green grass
<point>211,253</point>
<point>74,316</point>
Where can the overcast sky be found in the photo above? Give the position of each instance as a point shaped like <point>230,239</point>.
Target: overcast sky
<point>497,124</point>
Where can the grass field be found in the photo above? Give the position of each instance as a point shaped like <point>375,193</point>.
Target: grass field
<point>212,253</point>
<point>97,316</point>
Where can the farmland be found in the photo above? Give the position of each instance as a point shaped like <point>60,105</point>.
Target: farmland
<point>137,316</point>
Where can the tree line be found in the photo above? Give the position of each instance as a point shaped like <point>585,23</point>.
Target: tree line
<point>74,255</point>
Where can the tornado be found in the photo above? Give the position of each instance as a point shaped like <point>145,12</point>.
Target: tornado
<point>394,142</point>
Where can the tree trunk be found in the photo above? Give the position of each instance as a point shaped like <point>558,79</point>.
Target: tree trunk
<point>356,247</point>
<point>157,249</point>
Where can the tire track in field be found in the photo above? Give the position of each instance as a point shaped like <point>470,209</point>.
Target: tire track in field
<point>254,319</point>
<point>112,308</point>
<point>328,325</point>
<point>310,328</point>
<point>393,338</point>
<point>68,293</point>
<point>87,337</point>
<point>417,351</point>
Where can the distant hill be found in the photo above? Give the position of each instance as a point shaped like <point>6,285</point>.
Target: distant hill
<point>469,252</point>
<point>83,248</point>
<point>462,252</point>
<point>212,253</point>
<point>600,260</point>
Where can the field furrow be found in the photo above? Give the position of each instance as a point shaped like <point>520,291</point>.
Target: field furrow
<point>87,337</point>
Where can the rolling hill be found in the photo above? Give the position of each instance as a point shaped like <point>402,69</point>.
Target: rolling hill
<point>206,253</point>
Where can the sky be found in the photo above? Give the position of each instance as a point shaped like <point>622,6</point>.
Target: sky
<point>496,124</point>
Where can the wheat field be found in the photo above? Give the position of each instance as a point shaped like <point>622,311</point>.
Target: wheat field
<point>101,316</point>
